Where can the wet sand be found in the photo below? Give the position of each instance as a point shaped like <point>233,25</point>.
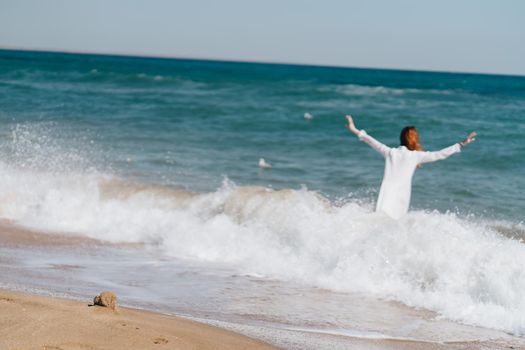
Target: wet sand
<point>36,322</point>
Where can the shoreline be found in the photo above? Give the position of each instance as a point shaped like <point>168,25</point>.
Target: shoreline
<point>29,321</point>
<point>34,321</point>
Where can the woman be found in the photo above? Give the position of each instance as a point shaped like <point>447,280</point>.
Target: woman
<point>400,164</point>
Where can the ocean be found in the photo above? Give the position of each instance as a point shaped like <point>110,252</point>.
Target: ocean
<point>159,158</point>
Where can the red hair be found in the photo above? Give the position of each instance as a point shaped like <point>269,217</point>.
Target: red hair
<point>410,138</point>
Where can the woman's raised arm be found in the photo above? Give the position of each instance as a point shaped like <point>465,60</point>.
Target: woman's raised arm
<point>363,136</point>
<point>427,157</point>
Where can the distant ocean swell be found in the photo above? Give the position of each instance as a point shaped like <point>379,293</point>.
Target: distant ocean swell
<point>97,76</point>
<point>462,268</point>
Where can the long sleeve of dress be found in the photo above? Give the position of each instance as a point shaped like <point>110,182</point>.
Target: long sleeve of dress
<point>378,146</point>
<point>427,157</point>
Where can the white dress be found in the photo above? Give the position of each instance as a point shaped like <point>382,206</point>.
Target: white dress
<point>400,164</point>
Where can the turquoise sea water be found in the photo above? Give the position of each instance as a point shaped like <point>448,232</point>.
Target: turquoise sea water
<point>189,123</point>
<point>165,152</point>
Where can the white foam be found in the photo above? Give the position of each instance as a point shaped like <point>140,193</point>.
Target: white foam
<point>365,90</point>
<point>264,164</point>
<point>459,267</point>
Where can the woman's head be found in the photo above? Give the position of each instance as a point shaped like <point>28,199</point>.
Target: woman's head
<point>410,138</point>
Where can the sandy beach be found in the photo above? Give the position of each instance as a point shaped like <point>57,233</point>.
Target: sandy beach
<point>35,322</point>
<point>30,321</point>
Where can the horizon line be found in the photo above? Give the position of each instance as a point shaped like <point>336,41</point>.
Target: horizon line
<point>249,61</point>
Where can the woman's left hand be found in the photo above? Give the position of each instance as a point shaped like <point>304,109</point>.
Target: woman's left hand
<point>470,138</point>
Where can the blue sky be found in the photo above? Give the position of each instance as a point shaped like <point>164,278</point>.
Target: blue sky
<point>446,35</point>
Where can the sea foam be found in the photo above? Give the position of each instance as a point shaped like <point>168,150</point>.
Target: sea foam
<point>460,267</point>
<point>466,268</point>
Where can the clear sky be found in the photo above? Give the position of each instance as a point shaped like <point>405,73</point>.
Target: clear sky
<point>447,35</point>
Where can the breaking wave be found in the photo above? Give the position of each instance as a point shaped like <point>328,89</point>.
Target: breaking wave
<point>366,90</point>
<point>466,268</point>
<point>462,268</point>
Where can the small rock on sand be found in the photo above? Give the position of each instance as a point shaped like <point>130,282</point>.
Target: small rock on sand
<point>106,299</point>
